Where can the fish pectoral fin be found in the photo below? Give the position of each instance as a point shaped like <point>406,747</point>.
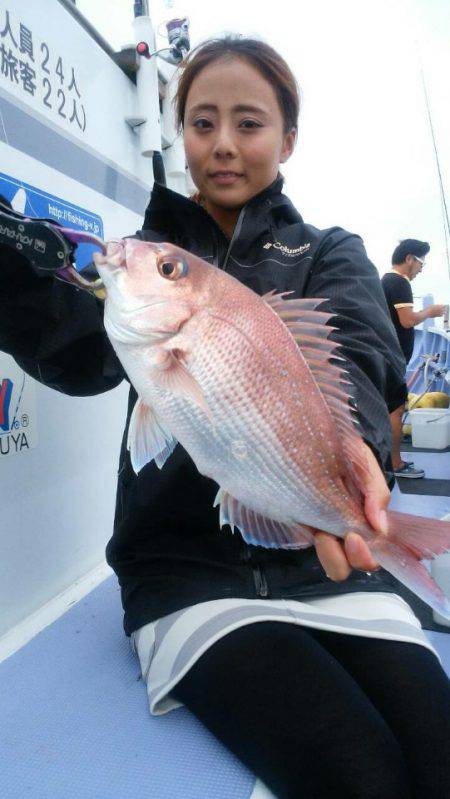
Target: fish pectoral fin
<point>147,438</point>
<point>175,377</point>
<point>261,530</point>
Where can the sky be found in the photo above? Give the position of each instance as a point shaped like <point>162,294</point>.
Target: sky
<point>364,159</point>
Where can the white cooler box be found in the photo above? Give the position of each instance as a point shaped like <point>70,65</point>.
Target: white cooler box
<point>430,427</point>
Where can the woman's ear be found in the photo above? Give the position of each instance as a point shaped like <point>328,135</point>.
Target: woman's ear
<point>288,145</point>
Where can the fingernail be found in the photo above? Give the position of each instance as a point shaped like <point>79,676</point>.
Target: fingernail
<point>383,522</point>
<point>352,544</point>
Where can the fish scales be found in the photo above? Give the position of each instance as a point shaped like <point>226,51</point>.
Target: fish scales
<point>212,445</point>
<point>292,407</point>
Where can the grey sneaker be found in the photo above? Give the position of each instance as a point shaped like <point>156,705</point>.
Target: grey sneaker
<point>408,470</point>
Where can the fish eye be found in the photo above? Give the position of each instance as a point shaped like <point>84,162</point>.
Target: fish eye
<point>172,270</point>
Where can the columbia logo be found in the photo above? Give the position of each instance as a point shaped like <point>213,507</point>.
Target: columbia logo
<point>290,252</point>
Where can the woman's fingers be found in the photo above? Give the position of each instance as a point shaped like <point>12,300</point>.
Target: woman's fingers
<point>332,556</point>
<point>358,553</point>
<point>375,491</point>
<point>339,558</point>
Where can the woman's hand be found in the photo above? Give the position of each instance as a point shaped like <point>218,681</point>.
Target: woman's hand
<point>338,557</point>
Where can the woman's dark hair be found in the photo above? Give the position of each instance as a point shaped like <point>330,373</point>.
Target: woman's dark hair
<point>257,53</point>
<point>409,247</point>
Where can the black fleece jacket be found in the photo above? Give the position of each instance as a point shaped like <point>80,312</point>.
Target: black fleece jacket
<point>166,548</point>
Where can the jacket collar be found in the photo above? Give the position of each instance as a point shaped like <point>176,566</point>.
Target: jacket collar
<point>164,199</point>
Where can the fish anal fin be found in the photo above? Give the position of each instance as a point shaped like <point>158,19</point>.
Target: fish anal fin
<point>260,530</point>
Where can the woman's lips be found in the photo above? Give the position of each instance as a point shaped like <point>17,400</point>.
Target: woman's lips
<point>225,178</point>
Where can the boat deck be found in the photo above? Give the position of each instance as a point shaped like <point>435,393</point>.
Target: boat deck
<point>74,717</point>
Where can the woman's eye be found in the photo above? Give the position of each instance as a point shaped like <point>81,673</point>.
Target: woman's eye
<point>249,124</point>
<point>201,124</point>
<point>205,124</point>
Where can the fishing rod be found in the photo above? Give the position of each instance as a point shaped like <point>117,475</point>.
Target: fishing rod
<point>438,166</point>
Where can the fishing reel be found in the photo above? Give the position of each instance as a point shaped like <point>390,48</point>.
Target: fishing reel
<point>49,248</point>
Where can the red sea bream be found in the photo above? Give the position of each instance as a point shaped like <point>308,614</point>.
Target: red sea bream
<point>245,384</point>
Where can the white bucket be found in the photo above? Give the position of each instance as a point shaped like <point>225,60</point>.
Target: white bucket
<point>440,569</point>
<point>430,427</point>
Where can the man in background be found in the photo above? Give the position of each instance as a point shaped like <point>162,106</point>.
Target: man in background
<point>408,260</point>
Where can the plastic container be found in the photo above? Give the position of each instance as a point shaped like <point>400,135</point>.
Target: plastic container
<point>430,427</point>
<point>440,569</point>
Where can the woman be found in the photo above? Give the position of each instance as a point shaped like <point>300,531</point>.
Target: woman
<point>335,691</point>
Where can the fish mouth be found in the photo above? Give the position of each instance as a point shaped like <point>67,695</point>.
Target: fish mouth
<point>115,256</point>
<point>113,259</point>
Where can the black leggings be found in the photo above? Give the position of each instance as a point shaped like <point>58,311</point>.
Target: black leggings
<point>321,715</point>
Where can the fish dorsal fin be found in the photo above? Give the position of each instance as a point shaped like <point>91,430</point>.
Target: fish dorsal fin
<point>259,530</point>
<point>309,329</point>
<point>147,439</point>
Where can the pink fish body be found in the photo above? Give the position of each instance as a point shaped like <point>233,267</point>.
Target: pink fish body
<point>246,386</point>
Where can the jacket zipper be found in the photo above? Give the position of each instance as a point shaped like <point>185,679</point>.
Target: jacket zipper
<point>259,580</point>
<point>236,232</point>
<point>262,589</point>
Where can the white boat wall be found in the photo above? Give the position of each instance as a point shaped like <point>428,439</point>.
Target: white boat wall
<point>77,132</point>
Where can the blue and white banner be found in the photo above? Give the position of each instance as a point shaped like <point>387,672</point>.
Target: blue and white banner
<point>37,203</point>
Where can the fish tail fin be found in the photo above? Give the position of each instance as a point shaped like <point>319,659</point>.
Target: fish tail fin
<point>410,540</point>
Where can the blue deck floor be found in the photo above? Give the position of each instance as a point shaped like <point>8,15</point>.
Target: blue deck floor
<point>75,722</point>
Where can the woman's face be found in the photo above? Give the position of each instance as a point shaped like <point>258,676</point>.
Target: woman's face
<point>233,133</point>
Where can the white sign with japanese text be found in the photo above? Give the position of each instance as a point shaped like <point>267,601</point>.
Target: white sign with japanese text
<point>33,67</point>
<point>50,63</point>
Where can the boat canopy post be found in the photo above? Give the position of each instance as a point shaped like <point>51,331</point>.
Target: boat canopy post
<point>148,121</point>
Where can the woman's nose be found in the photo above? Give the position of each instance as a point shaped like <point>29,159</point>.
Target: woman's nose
<point>224,143</point>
